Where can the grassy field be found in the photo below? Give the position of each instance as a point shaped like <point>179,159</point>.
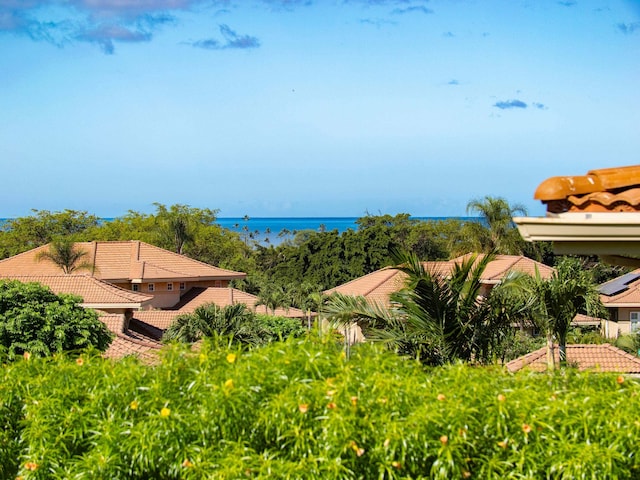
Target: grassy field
<point>301,409</point>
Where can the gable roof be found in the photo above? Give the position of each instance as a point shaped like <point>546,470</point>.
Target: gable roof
<point>131,343</point>
<point>94,293</point>
<point>601,358</point>
<point>123,261</point>
<point>378,285</point>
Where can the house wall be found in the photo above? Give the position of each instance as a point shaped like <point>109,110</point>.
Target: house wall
<point>622,326</point>
<point>165,298</point>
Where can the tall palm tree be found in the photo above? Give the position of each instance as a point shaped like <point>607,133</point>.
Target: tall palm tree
<point>272,296</point>
<point>496,231</point>
<point>553,303</point>
<point>64,253</point>
<point>436,318</point>
<point>233,321</point>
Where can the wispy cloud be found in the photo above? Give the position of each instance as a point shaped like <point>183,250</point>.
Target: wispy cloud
<point>377,22</point>
<point>568,3</point>
<point>540,106</point>
<point>508,104</point>
<point>231,40</point>
<point>629,28</point>
<point>413,9</point>
<point>453,82</point>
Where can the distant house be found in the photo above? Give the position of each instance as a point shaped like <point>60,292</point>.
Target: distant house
<point>124,279</point>
<point>131,265</point>
<point>379,285</point>
<point>621,297</point>
<point>599,358</point>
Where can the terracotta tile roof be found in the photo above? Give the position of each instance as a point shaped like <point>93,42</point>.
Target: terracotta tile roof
<point>158,319</point>
<point>581,320</point>
<point>113,321</point>
<point>603,190</point>
<point>130,343</point>
<point>378,285</point>
<point>94,293</point>
<point>122,261</point>
<point>601,358</point>
<point>224,296</point>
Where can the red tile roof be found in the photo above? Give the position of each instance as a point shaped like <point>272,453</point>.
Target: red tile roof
<point>627,297</point>
<point>94,293</point>
<point>130,343</point>
<point>600,358</point>
<point>122,261</point>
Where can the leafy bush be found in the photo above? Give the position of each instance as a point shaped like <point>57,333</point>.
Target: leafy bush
<point>300,409</point>
<point>279,328</point>
<point>35,320</point>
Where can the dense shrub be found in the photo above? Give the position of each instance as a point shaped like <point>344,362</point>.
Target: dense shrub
<point>301,409</point>
<point>39,322</point>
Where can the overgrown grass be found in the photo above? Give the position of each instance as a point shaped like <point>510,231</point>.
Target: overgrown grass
<point>300,409</point>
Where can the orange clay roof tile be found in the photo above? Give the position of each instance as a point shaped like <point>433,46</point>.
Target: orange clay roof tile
<point>630,296</point>
<point>607,189</point>
<point>600,358</point>
<point>126,344</point>
<point>121,261</point>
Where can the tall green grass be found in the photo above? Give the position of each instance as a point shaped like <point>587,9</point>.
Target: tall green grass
<point>300,409</point>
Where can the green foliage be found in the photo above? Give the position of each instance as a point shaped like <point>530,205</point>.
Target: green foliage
<point>35,320</point>
<point>301,410</point>
<point>630,343</point>
<point>436,318</point>
<point>22,234</point>
<point>279,328</point>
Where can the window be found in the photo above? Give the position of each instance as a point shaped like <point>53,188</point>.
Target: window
<point>135,287</point>
<point>170,287</point>
<point>151,287</point>
<point>183,285</point>
<point>634,318</point>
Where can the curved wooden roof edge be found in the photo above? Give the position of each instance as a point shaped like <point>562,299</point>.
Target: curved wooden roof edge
<point>558,188</point>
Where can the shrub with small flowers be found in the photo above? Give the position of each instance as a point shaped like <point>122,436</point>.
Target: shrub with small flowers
<point>298,409</point>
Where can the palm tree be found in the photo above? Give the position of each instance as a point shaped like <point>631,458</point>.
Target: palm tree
<point>235,322</point>
<point>553,303</point>
<point>496,231</point>
<point>435,318</point>
<point>272,296</point>
<point>65,255</point>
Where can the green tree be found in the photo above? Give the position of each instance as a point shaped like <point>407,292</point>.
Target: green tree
<point>37,321</point>
<point>435,318</point>
<point>273,296</point>
<point>553,303</point>
<point>178,224</point>
<point>233,322</point>
<point>495,232</point>
<point>64,253</point>
<point>21,234</point>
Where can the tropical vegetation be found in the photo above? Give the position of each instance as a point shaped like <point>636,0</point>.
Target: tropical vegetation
<point>36,322</point>
<point>301,409</point>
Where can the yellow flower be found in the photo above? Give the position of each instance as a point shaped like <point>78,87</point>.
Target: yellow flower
<point>526,428</point>
<point>231,357</point>
<point>501,398</point>
<point>503,444</point>
<point>331,406</point>
<point>31,466</point>
<point>80,361</point>
<point>359,451</point>
<point>229,384</point>
<point>620,380</point>
<point>26,355</point>
<point>133,405</point>
<point>444,439</point>
<point>386,442</point>
<point>165,412</point>
<point>354,401</point>
<point>441,397</point>
<point>303,407</point>
<point>466,474</point>
<point>331,393</point>
<point>187,463</point>
<point>396,464</point>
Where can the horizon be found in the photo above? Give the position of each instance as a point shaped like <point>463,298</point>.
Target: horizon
<point>307,109</point>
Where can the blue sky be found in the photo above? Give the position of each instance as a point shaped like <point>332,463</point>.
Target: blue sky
<point>310,108</point>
